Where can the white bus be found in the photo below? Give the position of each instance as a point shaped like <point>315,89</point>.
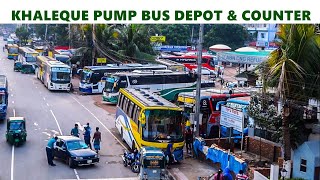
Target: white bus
<point>92,78</point>
<point>54,74</point>
<point>27,55</point>
<point>166,83</point>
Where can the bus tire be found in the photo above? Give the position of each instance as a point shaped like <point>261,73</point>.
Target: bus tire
<point>121,134</point>
<point>133,146</point>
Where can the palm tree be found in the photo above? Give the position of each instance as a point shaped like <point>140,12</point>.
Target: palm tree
<point>291,67</point>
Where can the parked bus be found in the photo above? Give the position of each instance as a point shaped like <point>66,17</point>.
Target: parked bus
<point>62,58</point>
<point>27,55</point>
<point>190,61</point>
<point>209,98</point>
<point>234,114</point>
<point>172,65</point>
<point>146,119</point>
<point>3,97</point>
<point>165,83</point>
<point>13,51</point>
<point>92,78</point>
<point>54,74</point>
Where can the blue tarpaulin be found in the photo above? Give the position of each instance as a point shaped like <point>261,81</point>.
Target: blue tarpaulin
<point>219,156</point>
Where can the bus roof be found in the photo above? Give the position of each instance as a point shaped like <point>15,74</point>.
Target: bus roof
<point>148,72</point>
<point>3,81</point>
<point>122,66</point>
<point>168,62</point>
<point>240,100</point>
<point>148,99</point>
<point>13,45</point>
<point>28,50</point>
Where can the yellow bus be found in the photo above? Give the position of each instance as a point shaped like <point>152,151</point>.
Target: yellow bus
<point>13,51</point>
<point>146,119</point>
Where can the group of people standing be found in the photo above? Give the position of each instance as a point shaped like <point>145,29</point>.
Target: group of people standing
<point>226,175</point>
<point>87,136</point>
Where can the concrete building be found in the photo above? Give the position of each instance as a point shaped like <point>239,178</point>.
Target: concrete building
<point>264,35</point>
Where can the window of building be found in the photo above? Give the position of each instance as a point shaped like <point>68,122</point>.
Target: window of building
<point>262,35</point>
<point>303,165</point>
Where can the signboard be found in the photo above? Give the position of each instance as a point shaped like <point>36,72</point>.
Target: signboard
<point>262,44</point>
<point>101,60</point>
<point>158,39</point>
<point>240,58</point>
<point>169,48</point>
<point>231,118</point>
<point>60,69</point>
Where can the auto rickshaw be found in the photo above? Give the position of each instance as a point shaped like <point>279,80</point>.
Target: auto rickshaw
<point>17,66</point>
<point>27,68</point>
<point>16,130</point>
<point>153,164</point>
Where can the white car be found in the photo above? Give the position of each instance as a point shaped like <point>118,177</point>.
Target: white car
<point>205,71</point>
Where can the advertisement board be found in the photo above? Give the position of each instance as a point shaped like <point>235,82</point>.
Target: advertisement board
<point>231,118</point>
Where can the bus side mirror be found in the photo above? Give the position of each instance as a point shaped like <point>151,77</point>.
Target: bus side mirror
<point>143,120</point>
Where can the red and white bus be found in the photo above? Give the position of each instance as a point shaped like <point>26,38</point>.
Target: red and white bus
<point>190,61</point>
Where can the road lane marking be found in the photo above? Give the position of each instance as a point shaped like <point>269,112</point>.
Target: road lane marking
<point>12,102</point>
<point>44,98</point>
<point>101,123</point>
<point>56,122</point>
<point>14,113</point>
<point>47,104</point>
<point>11,95</point>
<point>12,161</point>
<point>76,173</point>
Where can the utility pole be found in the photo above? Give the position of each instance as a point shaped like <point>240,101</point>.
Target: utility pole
<point>197,113</point>
<point>93,45</point>
<point>45,34</point>
<point>69,28</point>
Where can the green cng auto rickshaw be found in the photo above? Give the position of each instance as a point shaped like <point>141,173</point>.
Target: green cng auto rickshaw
<point>27,68</point>
<point>153,164</point>
<point>17,66</point>
<point>16,130</point>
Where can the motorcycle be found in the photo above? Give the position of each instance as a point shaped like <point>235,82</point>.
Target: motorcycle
<point>132,160</point>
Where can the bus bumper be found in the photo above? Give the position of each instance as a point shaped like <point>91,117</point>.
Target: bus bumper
<point>112,99</point>
<point>178,154</point>
<point>3,115</point>
<point>85,90</point>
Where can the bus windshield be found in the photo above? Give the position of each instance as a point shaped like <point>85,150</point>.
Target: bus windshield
<point>13,50</point>
<point>163,125</point>
<point>60,76</point>
<point>85,76</point>
<point>109,87</point>
<point>2,98</point>
<point>30,59</point>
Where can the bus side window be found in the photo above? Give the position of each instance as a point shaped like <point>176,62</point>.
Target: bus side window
<point>130,110</point>
<point>120,100</point>
<point>134,114</point>
<point>125,104</point>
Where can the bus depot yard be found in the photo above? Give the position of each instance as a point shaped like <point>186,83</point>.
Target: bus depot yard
<point>144,113</point>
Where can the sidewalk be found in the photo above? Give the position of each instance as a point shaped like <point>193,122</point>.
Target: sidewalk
<point>191,168</point>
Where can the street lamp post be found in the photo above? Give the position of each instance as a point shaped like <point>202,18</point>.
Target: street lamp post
<point>283,173</point>
<point>197,113</point>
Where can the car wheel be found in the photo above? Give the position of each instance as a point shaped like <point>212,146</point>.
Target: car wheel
<point>70,163</point>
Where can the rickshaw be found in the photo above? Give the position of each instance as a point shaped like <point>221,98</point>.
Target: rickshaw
<point>153,164</point>
<point>27,68</point>
<point>17,66</point>
<point>16,130</point>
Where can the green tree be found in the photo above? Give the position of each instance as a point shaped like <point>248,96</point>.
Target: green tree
<point>23,34</point>
<point>176,34</point>
<point>232,35</point>
<point>294,70</point>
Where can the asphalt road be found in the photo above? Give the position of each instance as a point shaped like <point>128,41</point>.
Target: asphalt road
<point>48,113</point>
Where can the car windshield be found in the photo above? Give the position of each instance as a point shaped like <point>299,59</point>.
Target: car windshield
<point>163,125</point>
<point>77,144</point>
<point>16,125</point>
<point>85,76</point>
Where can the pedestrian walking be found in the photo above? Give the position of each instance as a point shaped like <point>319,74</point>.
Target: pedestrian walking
<point>89,128</point>
<point>87,137</point>
<point>96,140</point>
<point>218,175</point>
<point>75,131</point>
<point>188,139</point>
<point>241,176</point>
<point>49,150</point>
